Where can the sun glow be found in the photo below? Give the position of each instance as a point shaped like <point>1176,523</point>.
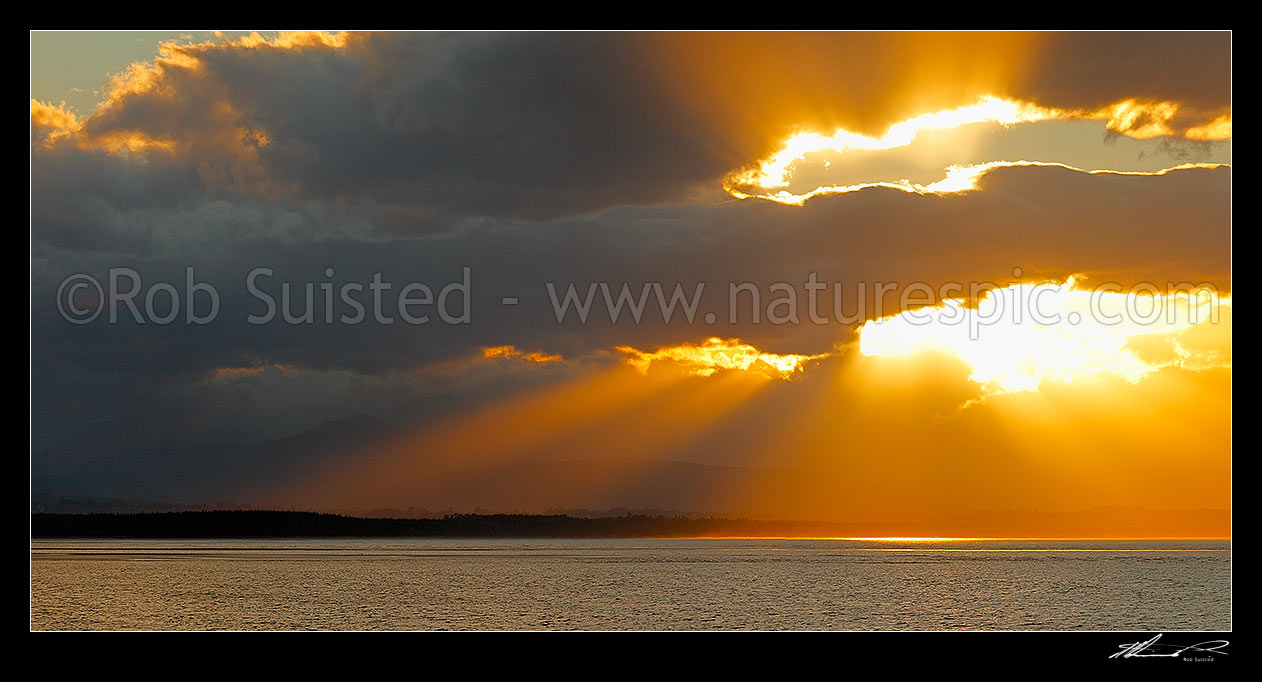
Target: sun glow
<point>910,539</point>
<point>772,178</point>
<point>719,354</point>
<point>1022,335</point>
<point>1217,129</point>
<point>775,172</point>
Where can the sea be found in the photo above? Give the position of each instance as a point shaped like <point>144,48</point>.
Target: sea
<point>641,584</point>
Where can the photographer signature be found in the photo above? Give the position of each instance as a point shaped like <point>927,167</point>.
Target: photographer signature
<point>1152,649</point>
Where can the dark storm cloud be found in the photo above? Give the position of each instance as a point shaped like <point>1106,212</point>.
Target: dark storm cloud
<point>416,129</point>
<point>1049,221</point>
<point>95,201</point>
<point>1088,70</point>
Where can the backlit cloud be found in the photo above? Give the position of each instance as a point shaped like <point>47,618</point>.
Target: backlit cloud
<point>715,354</point>
<point>945,151</point>
<point>1020,336</point>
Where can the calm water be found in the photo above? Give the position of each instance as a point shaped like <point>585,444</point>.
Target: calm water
<point>629,584</point>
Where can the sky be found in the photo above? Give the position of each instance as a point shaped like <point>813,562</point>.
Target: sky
<point>832,207</point>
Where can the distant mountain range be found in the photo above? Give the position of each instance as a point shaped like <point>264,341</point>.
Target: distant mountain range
<point>109,469</point>
<point>112,468</point>
<point>210,524</point>
<point>256,524</point>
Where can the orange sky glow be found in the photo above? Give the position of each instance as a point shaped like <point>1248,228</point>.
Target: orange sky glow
<point>904,425</point>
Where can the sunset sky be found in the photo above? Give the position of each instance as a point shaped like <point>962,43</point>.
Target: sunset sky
<point>1046,166</point>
